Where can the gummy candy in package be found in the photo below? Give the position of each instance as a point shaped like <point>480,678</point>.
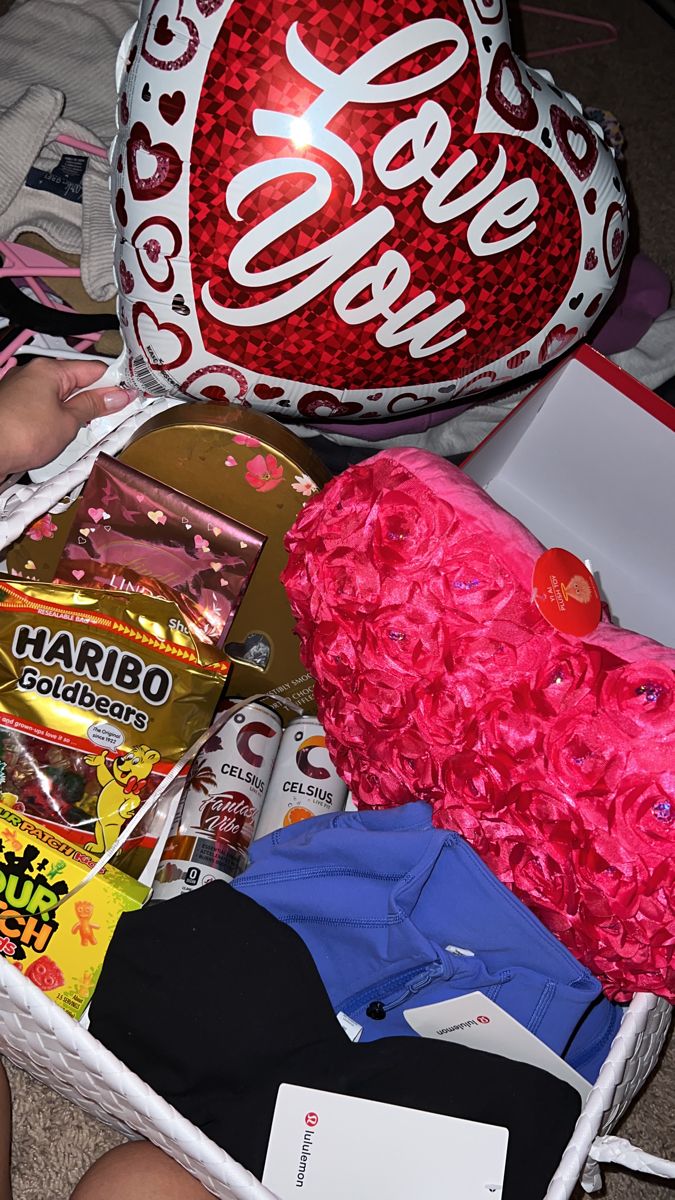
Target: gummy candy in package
<point>100,694</point>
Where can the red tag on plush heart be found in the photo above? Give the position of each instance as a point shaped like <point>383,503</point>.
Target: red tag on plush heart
<point>566,593</point>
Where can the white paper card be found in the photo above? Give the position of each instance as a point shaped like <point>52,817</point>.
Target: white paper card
<point>324,1146</point>
<point>481,1024</point>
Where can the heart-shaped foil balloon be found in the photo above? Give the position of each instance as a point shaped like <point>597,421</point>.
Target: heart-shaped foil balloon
<point>439,679</point>
<point>365,208</point>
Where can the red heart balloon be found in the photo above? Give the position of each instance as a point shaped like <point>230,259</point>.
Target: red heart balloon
<point>437,252</point>
<point>372,200</point>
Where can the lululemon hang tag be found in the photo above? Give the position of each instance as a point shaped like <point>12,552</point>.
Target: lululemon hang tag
<point>566,593</point>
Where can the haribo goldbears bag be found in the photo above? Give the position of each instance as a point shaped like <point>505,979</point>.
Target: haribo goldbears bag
<point>100,694</point>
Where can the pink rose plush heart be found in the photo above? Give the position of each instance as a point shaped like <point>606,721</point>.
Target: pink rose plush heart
<point>438,679</point>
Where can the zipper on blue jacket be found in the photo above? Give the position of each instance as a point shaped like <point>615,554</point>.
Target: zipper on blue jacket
<point>394,991</point>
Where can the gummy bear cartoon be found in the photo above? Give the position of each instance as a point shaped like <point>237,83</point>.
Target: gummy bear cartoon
<point>83,925</point>
<point>121,792</point>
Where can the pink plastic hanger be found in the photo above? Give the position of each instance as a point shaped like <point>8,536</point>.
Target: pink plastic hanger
<point>26,265</point>
<point>23,261</point>
<point>78,144</point>
<point>612,32</point>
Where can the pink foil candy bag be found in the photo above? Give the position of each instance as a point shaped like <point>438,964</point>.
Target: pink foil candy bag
<point>134,534</point>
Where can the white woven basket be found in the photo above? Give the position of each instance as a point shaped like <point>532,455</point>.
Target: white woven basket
<point>35,1034</point>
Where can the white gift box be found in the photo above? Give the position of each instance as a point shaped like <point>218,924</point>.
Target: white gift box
<point>587,462</point>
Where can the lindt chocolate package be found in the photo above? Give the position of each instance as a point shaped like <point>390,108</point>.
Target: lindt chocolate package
<point>134,534</point>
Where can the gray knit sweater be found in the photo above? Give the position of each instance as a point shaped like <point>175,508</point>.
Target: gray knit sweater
<point>57,76</point>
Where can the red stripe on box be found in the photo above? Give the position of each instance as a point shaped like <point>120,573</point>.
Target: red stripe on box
<point>655,405</point>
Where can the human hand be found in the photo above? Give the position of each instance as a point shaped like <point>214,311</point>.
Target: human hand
<point>37,418</point>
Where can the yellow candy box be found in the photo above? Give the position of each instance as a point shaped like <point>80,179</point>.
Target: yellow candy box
<point>60,949</point>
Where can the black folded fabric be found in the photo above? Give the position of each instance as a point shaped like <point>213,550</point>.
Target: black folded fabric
<point>40,318</point>
<point>215,1003</point>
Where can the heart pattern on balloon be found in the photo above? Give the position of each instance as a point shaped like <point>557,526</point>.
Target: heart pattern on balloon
<point>170,42</point>
<point>613,237</point>
<point>163,35</point>
<point>491,12</point>
<point>264,392</point>
<point>154,170</point>
<point>556,342</point>
<point>508,93</point>
<point>175,342</point>
<point>157,241</point>
<point>121,207</point>
<point>127,283</point>
<point>576,141</point>
<point>591,200</point>
<point>223,383</point>
<point>476,384</point>
<point>172,106</point>
<point>325,404</point>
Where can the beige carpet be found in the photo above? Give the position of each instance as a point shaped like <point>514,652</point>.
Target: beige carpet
<point>54,1142</point>
<point>635,79</point>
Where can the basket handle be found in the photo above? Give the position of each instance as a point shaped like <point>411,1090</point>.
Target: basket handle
<point>621,1151</point>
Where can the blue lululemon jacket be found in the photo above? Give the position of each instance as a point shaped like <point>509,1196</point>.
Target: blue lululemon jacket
<point>398,914</point>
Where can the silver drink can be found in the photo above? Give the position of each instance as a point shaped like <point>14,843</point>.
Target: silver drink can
<point>217,817</point>
<point>304,781</point>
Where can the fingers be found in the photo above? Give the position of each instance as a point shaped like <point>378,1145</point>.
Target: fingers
<point>66,375</point>
<point>87,406</point>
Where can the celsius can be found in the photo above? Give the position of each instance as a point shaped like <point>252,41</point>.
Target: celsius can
<point>304,781</point>
<point>223,797</point>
